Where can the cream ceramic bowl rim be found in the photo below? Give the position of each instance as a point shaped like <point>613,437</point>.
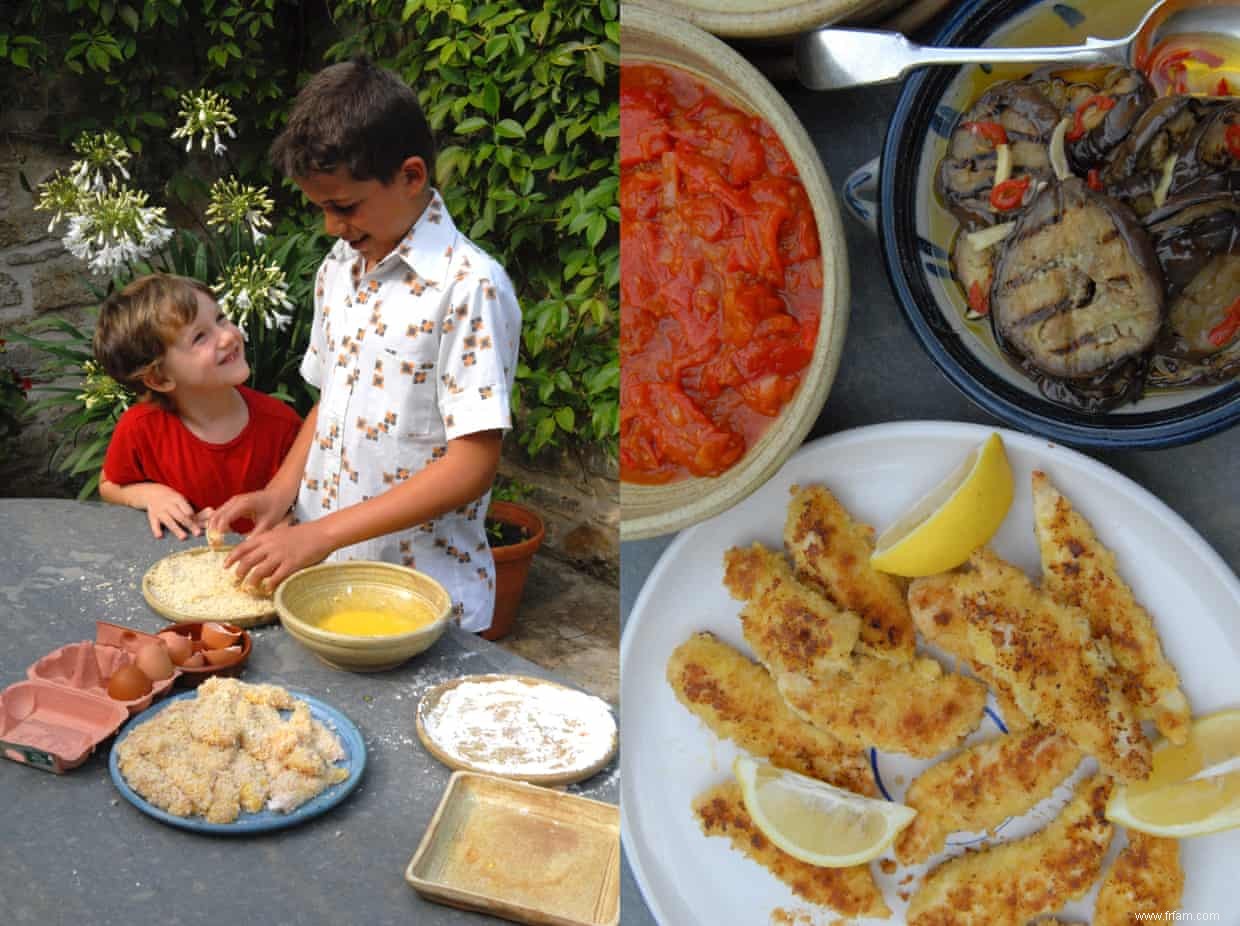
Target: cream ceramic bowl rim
<point>352,641</point>
<point>708,496</point>
<point>764,18</point>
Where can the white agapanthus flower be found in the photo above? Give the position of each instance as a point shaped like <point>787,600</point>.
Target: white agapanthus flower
<point>99,152</point>
<point>98,388</point>
<point>236,203</point>
<point>204,115</point>
<point>59,194</point>
<point>112,228</point>
<point>251,288</point>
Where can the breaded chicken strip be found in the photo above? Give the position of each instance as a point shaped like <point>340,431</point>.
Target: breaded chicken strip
<point>833,551</point>
<point>1009,885</point>
<point>1042,652</point>
<point>1078,570</point>
<point>737,700</point>
<point>982,786</point>
<point>916,709</point>
<point>1146,878</point>
<point>808,630</point>
<point>850,892</point>
<point>799,635</point>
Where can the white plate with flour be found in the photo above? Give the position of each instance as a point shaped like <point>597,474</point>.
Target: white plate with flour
<point>515,726</point>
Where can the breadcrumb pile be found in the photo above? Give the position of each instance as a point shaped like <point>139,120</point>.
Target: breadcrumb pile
<point>198,584</point>
<point>229,750</point>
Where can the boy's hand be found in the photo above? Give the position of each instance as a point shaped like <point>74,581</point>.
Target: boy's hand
<point>166,507</point>
<point>267,560</point>
<point>264,507</point>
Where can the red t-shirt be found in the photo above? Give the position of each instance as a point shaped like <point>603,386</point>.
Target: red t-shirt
<point>151,444</point>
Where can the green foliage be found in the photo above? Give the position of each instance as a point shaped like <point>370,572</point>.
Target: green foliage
<point>13,405</point>
<point>132,60</point>
<point>87,423</point>
<point>524,100</point>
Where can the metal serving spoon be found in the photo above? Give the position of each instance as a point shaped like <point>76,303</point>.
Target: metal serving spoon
<point>829,59</point>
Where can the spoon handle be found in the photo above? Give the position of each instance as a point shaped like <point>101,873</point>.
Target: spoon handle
<point>829,59</point>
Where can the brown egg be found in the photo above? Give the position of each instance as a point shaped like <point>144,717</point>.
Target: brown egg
<point>128,683</point>
<point>223,657</point>
<point>179,646</point>
<point>154,661</point>
<point>218,636</point>
<point>195,661</point>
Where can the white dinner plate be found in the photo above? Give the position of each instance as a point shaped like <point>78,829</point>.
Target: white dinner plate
<point>669,756</point>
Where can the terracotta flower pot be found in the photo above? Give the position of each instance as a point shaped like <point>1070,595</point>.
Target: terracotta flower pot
<point>512,564</point>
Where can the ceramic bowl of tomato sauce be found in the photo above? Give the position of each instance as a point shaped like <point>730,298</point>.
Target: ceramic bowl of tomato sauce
<point>734,277</point>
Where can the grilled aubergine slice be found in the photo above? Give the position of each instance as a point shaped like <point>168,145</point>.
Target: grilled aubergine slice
<point>1198,244</point>
<point>966,174</point>
<point>1078,296</point>
<point>1136,166</point>
<point>1107,102</point>
<point>1206,163</point>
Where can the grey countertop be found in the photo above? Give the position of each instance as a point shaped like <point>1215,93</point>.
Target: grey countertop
<point>74,851</point>
<point>886,376</point>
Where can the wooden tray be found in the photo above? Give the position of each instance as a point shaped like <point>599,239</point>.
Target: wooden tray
<point>264,609</point>
<point>441,752</point>
<point>521,852</point>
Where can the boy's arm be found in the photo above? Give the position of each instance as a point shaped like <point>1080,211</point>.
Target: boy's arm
<point>268,506</point>
<point>462,475</point>
<point>164,506</point>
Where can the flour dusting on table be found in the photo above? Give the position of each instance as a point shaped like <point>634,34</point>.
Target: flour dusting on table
<point>514,727</point>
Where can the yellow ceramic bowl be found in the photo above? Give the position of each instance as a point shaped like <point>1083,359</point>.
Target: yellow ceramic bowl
<point>308,597</point>
<point>648,510</point>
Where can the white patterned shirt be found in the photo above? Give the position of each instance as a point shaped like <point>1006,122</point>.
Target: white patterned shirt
<point>417,351</point>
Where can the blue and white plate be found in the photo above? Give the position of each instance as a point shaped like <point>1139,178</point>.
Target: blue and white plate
<point>266,820</point>
<point>917,234</point>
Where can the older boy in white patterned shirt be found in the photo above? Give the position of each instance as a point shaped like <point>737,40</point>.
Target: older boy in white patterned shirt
<point>413,349</point>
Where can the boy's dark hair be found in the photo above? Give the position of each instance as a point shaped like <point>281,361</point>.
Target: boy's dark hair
<point>355,115</point>
<point>136,325</point>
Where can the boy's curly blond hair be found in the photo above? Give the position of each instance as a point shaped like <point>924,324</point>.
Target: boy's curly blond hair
<point>136,325</point>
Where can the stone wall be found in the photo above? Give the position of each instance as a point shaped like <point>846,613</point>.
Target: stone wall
<point>576,492</point>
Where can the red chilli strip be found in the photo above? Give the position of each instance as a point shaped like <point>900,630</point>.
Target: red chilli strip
<point>1094,179</point>
<point>993,132</point>
<point>1208,58</point>
<point>1009,194</point>
<point>1098,101</point>
<point>1225,330</point>
<point>1223,88</point>
<point>1233,140</point>
<point>979,299</point>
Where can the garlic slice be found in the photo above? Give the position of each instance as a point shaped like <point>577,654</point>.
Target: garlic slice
<point>1057,151</point>
<point>988,237</point>
<point>1003,163</point>
<point>1164,182</point>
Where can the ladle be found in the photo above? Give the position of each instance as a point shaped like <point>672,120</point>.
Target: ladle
<point>829,59</point>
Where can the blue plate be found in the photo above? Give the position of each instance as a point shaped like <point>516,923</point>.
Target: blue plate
<point>265,820</point>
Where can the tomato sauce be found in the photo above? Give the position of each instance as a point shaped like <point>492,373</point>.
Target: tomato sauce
<point>720,277</point>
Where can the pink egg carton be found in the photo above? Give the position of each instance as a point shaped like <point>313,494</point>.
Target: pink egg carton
<point>54,720</point>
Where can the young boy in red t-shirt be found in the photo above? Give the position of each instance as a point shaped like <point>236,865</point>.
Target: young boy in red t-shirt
<point>197,436</point>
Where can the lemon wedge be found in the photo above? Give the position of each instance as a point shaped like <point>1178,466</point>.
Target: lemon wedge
<point>959,515</point>
<point>1193,789</point>
<point>814,821</point>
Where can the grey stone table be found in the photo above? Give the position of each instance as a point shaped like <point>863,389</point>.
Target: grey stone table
<point>885,376</point>
<point>72,850</point>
